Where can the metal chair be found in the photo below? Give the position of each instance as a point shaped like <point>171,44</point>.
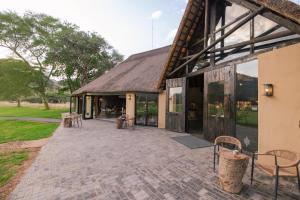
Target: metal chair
<point>225,142</point>
<point>283,160</point>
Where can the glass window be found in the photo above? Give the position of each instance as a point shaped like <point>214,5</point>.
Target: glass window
<point>247,104</point>
<point>216,99</point>
<point>243,33</point>
<point>147,109</point>
<point>175,100</point>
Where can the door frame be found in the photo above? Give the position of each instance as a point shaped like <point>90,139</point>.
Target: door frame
<point>226,74</point>
<point>179,117</point>
<point>146,110</point>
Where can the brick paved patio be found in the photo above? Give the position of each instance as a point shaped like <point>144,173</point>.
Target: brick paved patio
<point>101,162</point>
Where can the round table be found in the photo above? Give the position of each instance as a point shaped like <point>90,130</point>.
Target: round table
<point>231,170</point>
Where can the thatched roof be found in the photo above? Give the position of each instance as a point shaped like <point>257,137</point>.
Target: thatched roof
<point>192,26</point>
<point>193,17</point>
<point>138,73</point>
<point>285,8</point>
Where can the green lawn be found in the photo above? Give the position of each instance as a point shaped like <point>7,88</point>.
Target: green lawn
<point>247,118</point>
<point>8,164</point>
<point>21,130</point>
<point>31,112</point>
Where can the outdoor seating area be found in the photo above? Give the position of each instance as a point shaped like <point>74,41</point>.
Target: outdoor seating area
<point>72,120</point>
<point>147,163</point>
<point>124,121</point>
<point>233,164</point>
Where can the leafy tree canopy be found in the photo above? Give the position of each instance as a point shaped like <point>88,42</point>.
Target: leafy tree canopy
<point>15,80</point>
<point>49,48</point>
<point>80,56</point>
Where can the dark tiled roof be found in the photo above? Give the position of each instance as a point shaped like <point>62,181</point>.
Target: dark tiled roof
<point>138,73</point>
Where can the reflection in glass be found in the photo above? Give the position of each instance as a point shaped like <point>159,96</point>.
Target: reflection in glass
<point>243,33</point>
<point>147,109</point>
<point>175,100</point>
<point>141,108</point>
<point>152,110</point>
<point>247,104</point>
<point>216,99</point>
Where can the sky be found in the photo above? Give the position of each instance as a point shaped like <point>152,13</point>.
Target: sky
<point>125,24</point>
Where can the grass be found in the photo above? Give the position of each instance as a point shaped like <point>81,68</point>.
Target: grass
<point>31,112</point>
<point>22,131</point>
<point>247,118</point>
<point>9,163</point>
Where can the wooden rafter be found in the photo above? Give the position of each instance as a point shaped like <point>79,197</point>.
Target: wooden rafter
<point>237,26</point>
<point>253,41</point>
<point>289,24</point>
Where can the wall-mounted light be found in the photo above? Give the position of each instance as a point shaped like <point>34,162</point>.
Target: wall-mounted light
<point>129,97</point>
<point>268,89</point>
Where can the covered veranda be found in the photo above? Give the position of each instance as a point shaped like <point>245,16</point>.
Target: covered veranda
<point>99,105</point>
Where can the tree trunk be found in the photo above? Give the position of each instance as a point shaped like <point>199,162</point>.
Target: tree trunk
<point>19,103</point>
<point>46,104</point>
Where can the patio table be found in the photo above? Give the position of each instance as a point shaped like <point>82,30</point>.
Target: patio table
<point>69,119</point>
<point>231,170</point>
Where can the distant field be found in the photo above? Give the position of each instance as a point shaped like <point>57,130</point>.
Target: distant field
<point>21,131</point>
<point>37,112</point>
<point>35,105</point>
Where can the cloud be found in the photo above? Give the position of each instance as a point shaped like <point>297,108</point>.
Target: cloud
<point>171,35</point>
<point>156,15</point>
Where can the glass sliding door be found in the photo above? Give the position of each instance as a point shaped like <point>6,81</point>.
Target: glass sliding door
<point>152,110</point>
<point>215,110</point>
<point>141,109</point>
<point>247,104</point>
<point>146,109</point>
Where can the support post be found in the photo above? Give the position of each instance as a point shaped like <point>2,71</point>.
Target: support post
<point>223,25</point>
<point>70,109</point>
<point>206,23</point>
<point>252,35</point>
<point>83,106</point>
<point>213,22</point>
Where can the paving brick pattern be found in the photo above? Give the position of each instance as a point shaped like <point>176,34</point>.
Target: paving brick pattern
<point>101,162</point>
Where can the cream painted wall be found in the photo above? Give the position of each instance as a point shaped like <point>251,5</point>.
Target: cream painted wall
<point>279,116</point>
<point>130,105</point>
<point>162,109</point>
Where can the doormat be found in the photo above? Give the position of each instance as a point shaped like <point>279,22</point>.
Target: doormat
<point>192,142</point>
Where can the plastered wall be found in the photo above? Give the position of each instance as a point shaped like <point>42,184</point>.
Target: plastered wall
<point>162,109</point>
<point>130,105</point>
<point>279,116</point>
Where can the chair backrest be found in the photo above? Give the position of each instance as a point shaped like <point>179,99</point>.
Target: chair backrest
<point>285,154</point>
<point>228,140</point>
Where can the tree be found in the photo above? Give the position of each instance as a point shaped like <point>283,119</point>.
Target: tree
<point>28,37</point>
<point>80,56</point>
<point>49,48</point>
<point>15,80</point>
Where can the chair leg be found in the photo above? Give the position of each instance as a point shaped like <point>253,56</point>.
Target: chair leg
<point>214,158</point>
<point>276,181</point>
<point>298,176</point>
<point>252,168</point>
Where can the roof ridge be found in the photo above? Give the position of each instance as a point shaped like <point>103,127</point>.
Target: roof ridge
<point>147,53</point>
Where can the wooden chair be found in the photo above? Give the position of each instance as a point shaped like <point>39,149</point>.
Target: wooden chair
<point>283,161</point>
<point>225,142</point>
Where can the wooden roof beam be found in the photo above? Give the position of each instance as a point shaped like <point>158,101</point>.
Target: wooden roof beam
<point>289,24</point>
<point>237,26</point>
